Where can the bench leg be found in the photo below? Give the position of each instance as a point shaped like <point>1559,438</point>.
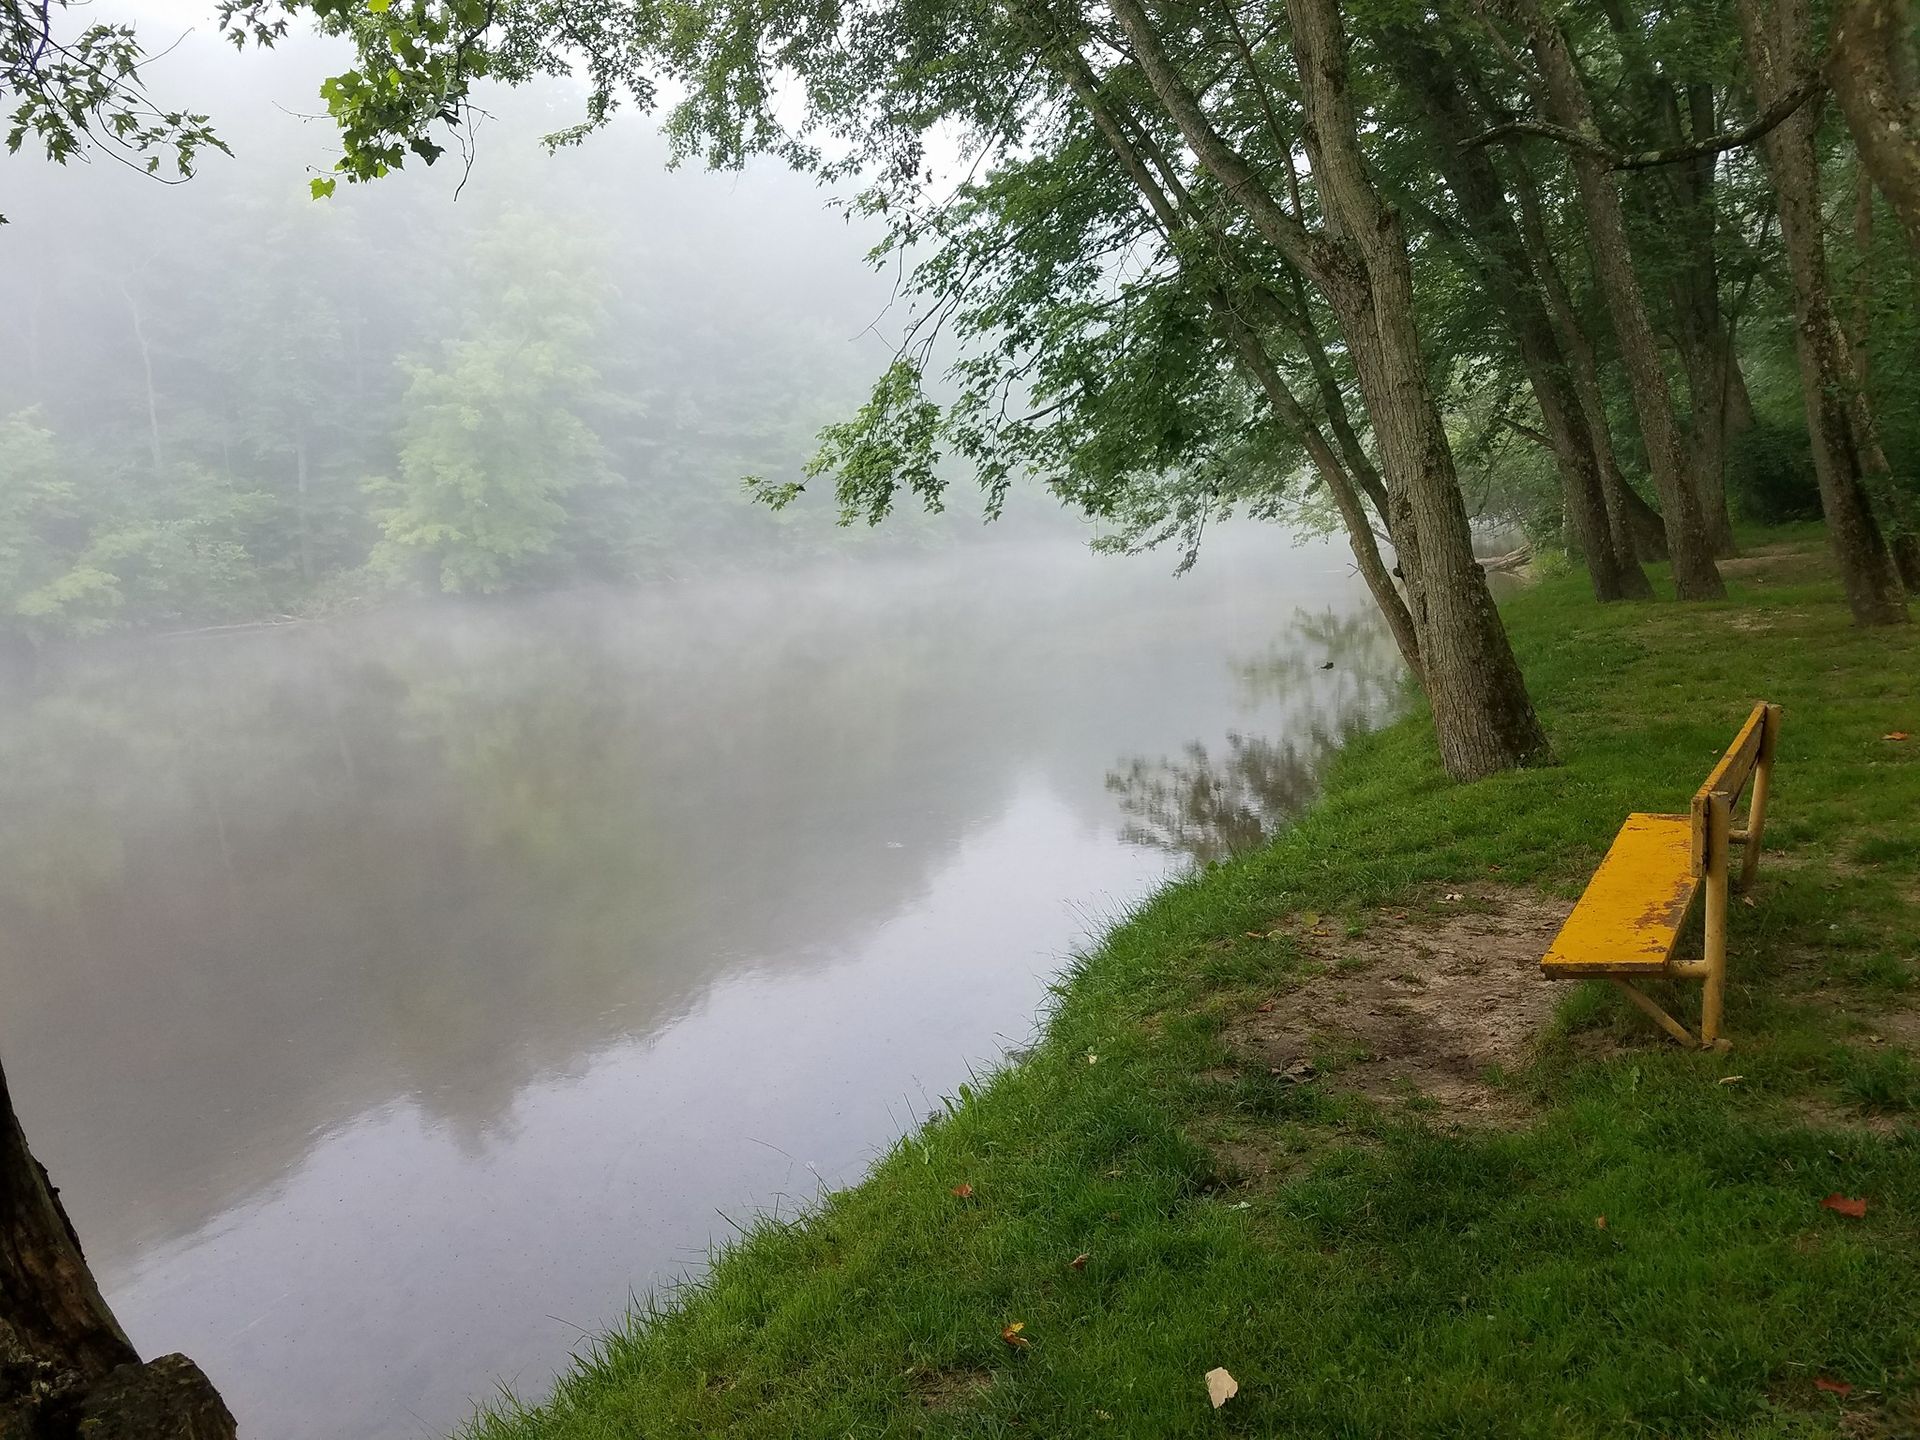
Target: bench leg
<point>1660,1017</point>
<point>1714,982</point>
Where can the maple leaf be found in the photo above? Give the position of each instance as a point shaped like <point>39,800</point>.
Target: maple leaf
<point>1896,735</point>
<point>1844,1205</point>
<point>1832,1387</point>
<point>1010,1333</point>
<point>963,1190</point>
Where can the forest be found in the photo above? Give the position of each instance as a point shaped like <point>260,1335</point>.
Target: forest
<point>1629,275</point>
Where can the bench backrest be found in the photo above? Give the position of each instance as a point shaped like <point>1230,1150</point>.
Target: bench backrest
<point>1751,751</point>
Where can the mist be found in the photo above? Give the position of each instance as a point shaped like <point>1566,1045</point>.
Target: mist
<point>461,853</point>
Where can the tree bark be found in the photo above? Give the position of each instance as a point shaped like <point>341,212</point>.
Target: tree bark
<point>1680,207</point>
<point>1689,542</point>
<point>146,366</point>
<point>66,1366</point>
<point>1483,718</point>
<point>1482,713</point>
<point>1776,39</point>
<point>1904,542</point>
<point>1875,74</point>
<point>1515,290</point>
<point>1636,525</point>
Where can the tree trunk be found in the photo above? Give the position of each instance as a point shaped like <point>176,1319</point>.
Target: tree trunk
<point>1875,74</point>
<point>1482,713</point>
<point>1776,37</point>
<point>1679,203</point>
<point>1689,542</point>
<point>1904,541</point>
<point>1636,525</point>
<point>1511,284</point>
<point>146,366</point>
<point>1482,716</point>
<point>300,477</point>
<point>64,1360</point>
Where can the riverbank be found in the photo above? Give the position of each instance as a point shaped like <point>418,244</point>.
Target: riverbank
<point>1512,1210</point>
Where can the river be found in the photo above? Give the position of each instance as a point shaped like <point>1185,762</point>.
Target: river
<point>394,998</point>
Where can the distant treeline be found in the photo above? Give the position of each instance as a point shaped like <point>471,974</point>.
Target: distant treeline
<point>246,404</point>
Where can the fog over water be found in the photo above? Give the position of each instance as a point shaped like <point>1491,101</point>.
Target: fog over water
<point>393,998</point>
<point>396,982</point>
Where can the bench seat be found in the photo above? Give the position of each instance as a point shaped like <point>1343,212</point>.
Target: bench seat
<point>1628,922</point>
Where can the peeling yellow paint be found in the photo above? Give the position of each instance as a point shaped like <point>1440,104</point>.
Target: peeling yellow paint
<point>1629,920</point>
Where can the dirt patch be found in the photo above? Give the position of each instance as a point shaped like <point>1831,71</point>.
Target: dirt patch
<point>1897,1027</point>
<point>1420,1005</point>
<point>1775,563</point>
<point>948,1389</point>
<point>1817,1112</point>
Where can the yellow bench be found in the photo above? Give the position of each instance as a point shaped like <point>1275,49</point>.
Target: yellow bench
<point>1628,921</point>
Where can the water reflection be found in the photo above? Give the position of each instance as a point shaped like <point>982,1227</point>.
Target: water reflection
<point>379,992</point>
<point>1210,804</point>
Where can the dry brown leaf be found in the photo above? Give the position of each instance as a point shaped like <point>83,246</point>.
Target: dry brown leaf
<point>1896,735</point>
<point>963,1190</point>
<point>1844,1205</point>
<point>1079,1262</point>
<point>1731,1079</point>
<point>1599,1222</point>
<point>1010,1332</point>
<point>1221,1387</point>
<point>1832,1387</point>
<point>1265,1007</point>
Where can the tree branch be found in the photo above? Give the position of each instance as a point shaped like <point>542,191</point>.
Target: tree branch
<point>1812,87</point>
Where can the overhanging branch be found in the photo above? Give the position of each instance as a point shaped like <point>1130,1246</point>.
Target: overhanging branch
<point>1773,115</point>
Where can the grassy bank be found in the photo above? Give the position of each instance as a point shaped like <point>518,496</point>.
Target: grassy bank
<point>1367,1253</point>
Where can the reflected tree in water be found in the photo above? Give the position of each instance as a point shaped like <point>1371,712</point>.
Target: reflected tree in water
<point>1330,676</point>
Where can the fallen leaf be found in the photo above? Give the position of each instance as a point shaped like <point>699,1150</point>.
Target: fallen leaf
<point>1599,1222</point>
<point>1310,918</point>
<point>1092,1059</point>
<point>1265,1007</point>
<point>1843,1205</point>
<point>1221,1387</point>
<point>1079,1262</point>
<point>1297,1073</point>
<point>963,1190</point>
<point>1256,935</point>
<point>1731,1079</point>
<point>1749,901</point>
<point>1011,1334</point>
<point>1896,735</point>
<point>1832,1387</point>
<point>1452,895</point>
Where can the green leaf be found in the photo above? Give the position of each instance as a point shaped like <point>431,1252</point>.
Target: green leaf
<point>379,7</point>
<point>322,186</point>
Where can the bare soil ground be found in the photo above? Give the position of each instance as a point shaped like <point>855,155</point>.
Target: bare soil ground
<point>1427,1004</point>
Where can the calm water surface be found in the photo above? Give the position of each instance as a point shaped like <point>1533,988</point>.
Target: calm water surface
<point>393,1000</point>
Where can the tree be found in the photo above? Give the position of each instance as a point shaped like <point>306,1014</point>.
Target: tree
<point>73,93</point>
<point>66,1366</point>
<point>1777,36</point>
<point>492,441</point>
<point>1570,109</point>
<point>1874,68</point>
<point>1507,271</point>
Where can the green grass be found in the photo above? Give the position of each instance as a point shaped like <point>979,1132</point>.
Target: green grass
<point>1395,1276</point>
